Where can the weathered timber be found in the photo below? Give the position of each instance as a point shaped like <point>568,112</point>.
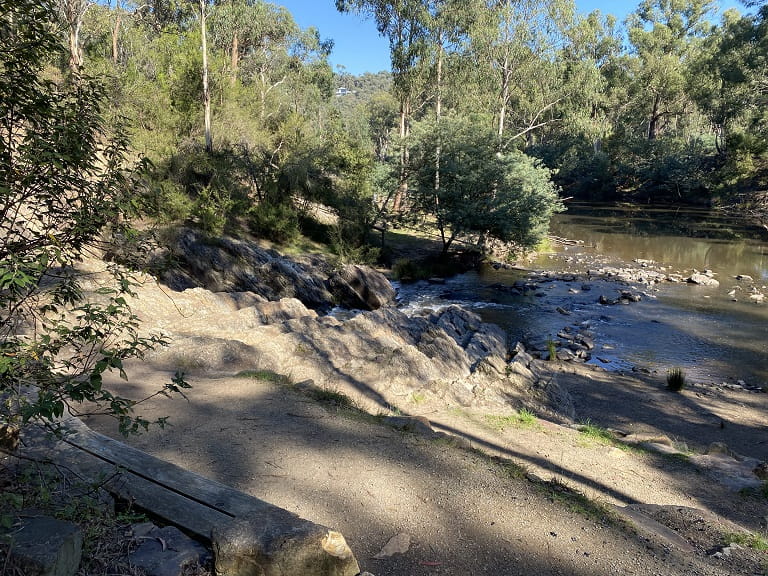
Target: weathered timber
<point>198,505</point>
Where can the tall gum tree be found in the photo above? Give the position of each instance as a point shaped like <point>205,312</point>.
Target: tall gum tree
<point>664,34</point>
<point>405,24</point>
<point>515,42</point>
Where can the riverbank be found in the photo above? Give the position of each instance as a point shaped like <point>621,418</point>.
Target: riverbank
<point>422,429</point>
<point>555,430</point>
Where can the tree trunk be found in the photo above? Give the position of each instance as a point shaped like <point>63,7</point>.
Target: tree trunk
<point>235,58</point>
<point>116,34</point>
<point>206,91</point>
<point>653,123</point>
<point>402,188</point>
<point>438,114</point>
<point>75,55</point>
<point>503,97</point>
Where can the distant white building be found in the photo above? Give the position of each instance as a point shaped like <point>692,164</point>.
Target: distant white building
<point>342,91</point>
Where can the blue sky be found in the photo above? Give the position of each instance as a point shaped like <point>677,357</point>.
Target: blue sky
<point>358,46</point>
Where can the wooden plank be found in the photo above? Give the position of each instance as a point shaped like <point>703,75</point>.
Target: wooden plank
<point>173,507</point>
<point>243,530</point>
<point>170,492</point>
<point>218,496</point>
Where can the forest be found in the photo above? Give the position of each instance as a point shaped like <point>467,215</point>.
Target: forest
<point>493,111</point>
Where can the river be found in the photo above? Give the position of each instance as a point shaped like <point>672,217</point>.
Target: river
<point>716,334</point>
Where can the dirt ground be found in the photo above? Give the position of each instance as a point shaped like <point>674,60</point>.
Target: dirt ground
<point>456,505</point>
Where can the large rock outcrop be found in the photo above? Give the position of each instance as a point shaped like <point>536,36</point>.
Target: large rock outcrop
<point>229,265</point>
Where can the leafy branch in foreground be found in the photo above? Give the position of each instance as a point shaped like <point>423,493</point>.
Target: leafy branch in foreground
<point>64,188</point>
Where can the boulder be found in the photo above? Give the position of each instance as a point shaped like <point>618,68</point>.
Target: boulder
<point>702,279</point>
<point>45,546</point>
<point>230,265</point>
<point>361,287</point>
<point>252,547</point>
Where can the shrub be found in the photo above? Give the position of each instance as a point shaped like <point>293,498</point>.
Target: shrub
<point>274,221</point>
<point>64,185</point>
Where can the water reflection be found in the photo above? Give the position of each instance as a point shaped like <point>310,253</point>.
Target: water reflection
<point>679,239</point>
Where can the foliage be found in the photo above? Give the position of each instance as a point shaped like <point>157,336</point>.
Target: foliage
<point>748,539</point>
<point>482,191</point>
<point>63,184</point>
<point>669,108</point>
<point>552,350</point>
<point>275,221</point>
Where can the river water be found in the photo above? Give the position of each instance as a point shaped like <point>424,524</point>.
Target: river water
<point>716,334</point>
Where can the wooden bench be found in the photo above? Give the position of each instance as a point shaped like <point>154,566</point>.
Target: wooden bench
<point>248,536</point>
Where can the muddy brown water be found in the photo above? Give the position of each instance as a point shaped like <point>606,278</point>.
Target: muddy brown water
<point>713,335</point>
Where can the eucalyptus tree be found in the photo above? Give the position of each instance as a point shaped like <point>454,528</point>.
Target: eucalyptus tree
<point>484,193</point>
<point>206,89</point>
<point>730,84</point>
<point>592,77</point>
<point>252,29</point>
<point>405,24</point>
<point>515,43</point>
<point>664,34</point>
<point>72,12</point>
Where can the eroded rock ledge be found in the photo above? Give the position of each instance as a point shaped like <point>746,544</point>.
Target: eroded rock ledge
<point>234,306</point>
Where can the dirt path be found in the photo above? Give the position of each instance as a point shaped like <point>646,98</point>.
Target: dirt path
<point>463,512</point>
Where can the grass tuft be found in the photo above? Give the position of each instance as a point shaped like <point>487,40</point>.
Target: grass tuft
<point>748,539</point>
<point>524,418</point>
<point>332,398</point>
<point>676,379</point>
<point>597,433</point>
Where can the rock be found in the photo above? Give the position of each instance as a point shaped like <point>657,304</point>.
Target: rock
<point>630,297</point>
<point>398,544</point>
<point>744,277</point>
<point>282,310</point>
<point>724,551</point>
<point>229,265</point>
<point>166,551</point>
<point>45,546</point>
<point>702,280</point>
<point>9,437</point>
<point>563,311</point>
<point>521,356</point>
<point>761,471</point>
<point>361,287</point>
<point>251,547</point>
<point>605,301</point>
<point>718,448</point>
<point>757,297</point>
<point>585,341</point>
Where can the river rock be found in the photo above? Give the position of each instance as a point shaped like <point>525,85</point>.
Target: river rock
<point>702,279</point>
